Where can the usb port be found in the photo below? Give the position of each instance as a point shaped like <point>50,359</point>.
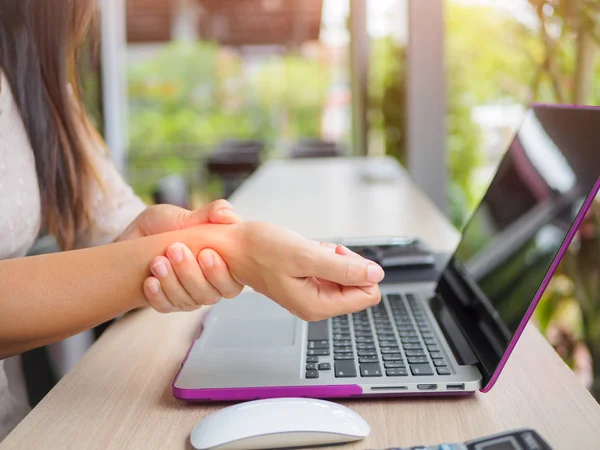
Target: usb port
<point>456,387</point>
<point>427,387</point>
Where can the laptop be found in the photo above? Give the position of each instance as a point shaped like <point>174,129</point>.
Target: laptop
<point>449,337</point>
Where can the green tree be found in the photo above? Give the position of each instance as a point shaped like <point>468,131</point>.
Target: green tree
<point>292,91</point>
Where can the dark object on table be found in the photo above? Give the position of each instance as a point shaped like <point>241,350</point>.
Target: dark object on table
<point>417,273</point>
<point>521,439</point>
<point>414,253</point>
<point>233,162</point>
<point>172,190</point>
<point>315,148</point>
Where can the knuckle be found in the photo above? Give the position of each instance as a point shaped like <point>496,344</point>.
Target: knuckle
<point>352,273</point>
<point>211,299</point>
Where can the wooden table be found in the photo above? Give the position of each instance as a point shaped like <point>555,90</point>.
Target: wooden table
<point>119,395</point>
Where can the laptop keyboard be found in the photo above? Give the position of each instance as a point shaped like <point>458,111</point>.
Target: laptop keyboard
<point>391,339</point>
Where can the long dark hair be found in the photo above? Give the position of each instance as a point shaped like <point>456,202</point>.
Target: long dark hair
<point>39,43</point>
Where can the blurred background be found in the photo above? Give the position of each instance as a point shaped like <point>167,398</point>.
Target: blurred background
<point>194,95</point>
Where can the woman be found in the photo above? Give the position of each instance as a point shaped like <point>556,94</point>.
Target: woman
<point>54,175</point>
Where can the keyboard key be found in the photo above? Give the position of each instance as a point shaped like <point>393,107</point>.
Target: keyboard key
<point>341,336</point>
<point>390,350</point>
<point>311,367</point>
<point>400,372</point>
<point>394,298</point>
<point>325,366</point>
<point>433,348</point>
<point>427,334</point>
<point>312,374</point>
<point>365,346</point>
<point>392,357</point>
<point>411,340</point>
<point>388,343</point>
<point>345,369</point>
<point>318,344</point>
<point>393,364</point>
<point>417,360</point>
<point>421,370</point>
<point>439,363</point>
<point>368,359</point>
<point>318,352</point>
<point>318,331</point>
<point>344,357</point>
<point>342,342</point>
<point>337,350</point>
<point>364,340</point>
<point>443,371</point>
<point>413,347</point>
<point>370,370</point>
<point>415,353</point>
<point>312,359</point>
<point>363,334</point>
<point>341,329</point>
<point>436,355</point>
<point>367,353</point>
<point>429,341</point>
<point>386,333</point>
<point>408,333</point>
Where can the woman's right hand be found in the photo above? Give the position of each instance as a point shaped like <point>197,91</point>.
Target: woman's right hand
<point>311,280</point>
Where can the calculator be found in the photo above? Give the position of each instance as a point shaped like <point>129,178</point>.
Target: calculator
<point>521,439</point>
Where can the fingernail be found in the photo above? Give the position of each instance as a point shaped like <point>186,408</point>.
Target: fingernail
<point>374,273</point>
<point>175,253</point>
<point>226,212</point>
<point>206,258</point>
<point>160,269</point>
<point>154,287</point>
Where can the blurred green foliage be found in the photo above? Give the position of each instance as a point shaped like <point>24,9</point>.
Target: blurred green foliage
<point>199,93</point>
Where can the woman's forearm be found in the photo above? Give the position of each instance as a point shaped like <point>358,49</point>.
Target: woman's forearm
<point>50,297</point>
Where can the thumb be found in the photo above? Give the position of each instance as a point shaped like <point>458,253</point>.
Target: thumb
<point>219,212</point>
<point>344,270</point>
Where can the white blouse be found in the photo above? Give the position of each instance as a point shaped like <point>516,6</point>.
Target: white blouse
<point>112,207</point>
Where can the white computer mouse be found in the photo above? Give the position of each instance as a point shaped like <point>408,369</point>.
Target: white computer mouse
<point>278,423</point>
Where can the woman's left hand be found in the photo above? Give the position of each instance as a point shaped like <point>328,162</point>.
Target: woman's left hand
<point>182,280</point>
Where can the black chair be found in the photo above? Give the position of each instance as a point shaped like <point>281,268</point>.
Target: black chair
<point>233,161</point>
<point>315,148</point>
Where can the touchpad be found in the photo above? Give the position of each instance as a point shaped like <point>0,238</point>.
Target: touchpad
<point>254,333</point>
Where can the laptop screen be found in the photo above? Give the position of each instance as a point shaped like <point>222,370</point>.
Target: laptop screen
<point>514,240</point>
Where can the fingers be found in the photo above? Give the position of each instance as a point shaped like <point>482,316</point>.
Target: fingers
<point>347,271</point>
<point>217,274</point>
<point>189,278</point>
<point>322,300</point>
<point>170,286</point>
<point>156,297</point>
